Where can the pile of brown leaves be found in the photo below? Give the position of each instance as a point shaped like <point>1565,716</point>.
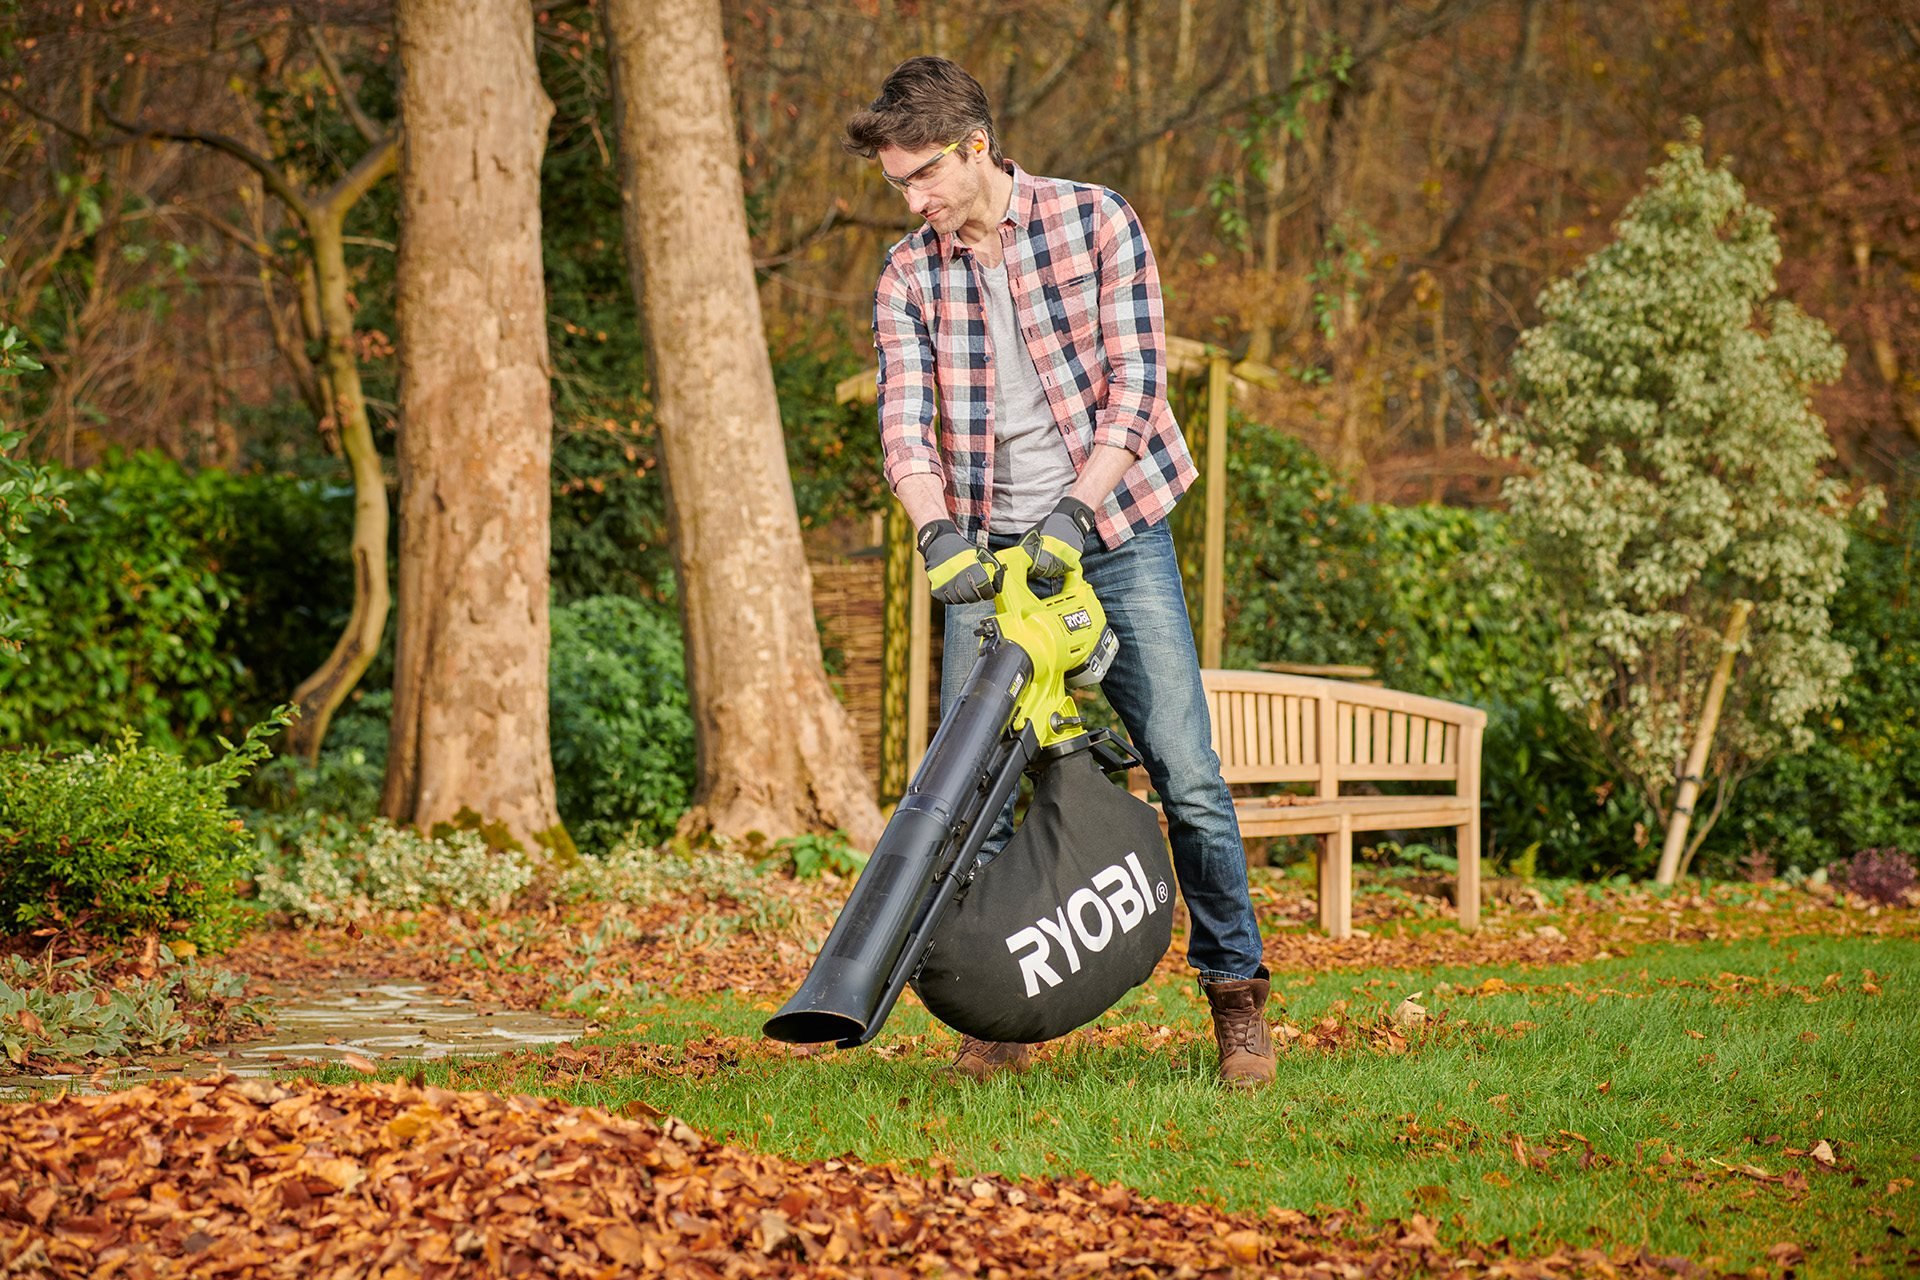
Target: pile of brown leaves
<point>248,1178</point>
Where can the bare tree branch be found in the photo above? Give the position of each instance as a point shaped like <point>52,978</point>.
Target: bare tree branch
<point>1447,245</point>
<point>382,160</point>
<point>276,181</point>
<point>1198,111</point>
<point>1055,75</point>
<point>349,101</point>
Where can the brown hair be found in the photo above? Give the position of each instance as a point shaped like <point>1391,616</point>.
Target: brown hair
<point>924,102</point>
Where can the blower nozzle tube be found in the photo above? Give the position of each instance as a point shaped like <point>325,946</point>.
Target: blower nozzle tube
<point>923,857</point>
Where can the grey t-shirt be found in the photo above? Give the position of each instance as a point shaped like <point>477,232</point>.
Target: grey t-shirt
<point>1031,466</point>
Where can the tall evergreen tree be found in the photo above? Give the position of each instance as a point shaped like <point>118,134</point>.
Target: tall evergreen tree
<point>1674,466</point>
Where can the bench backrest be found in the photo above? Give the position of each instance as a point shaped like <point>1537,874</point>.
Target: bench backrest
<point>1269,727</point>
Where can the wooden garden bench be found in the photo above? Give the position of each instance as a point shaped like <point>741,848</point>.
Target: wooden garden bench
<point>1270,728</point>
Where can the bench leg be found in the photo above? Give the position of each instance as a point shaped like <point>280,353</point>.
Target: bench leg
<point>1340,882</point>
<point>1467,892</point>
<point>1325,879</point>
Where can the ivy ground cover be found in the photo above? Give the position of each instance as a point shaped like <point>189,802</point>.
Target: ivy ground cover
<point>1716,1083</point>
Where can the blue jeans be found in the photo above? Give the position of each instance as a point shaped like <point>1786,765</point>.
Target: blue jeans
<point>1155,687</point>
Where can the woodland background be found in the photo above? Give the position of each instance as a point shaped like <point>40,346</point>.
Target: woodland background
<point>1366,196</point>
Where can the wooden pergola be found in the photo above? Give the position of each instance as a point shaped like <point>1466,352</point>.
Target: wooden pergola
<point>906,694</point>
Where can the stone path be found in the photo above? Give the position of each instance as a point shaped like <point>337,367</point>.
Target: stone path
<point>323,1020</point>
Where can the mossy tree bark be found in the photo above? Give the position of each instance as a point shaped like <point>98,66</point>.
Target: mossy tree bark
<point>777,752</point>
<point>475,448</point>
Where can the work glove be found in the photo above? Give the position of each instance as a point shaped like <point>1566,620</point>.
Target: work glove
<point>958,570</point>
<point>1054,545</point>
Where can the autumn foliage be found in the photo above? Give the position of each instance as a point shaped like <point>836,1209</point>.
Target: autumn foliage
<point>246,1177</point>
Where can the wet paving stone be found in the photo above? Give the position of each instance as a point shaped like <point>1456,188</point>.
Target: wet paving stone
<point>322,1021</point>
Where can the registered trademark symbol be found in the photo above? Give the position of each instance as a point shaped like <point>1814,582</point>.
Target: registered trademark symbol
<point>1160,891</point>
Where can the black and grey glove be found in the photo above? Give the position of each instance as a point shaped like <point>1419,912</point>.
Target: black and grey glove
<point>958,570</point>
<point>1054,545</point>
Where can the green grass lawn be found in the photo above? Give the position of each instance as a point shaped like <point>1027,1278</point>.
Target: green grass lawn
<point>1673,1098</point>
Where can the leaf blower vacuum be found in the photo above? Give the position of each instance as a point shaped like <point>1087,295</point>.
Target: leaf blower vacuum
<point>1072,914</point>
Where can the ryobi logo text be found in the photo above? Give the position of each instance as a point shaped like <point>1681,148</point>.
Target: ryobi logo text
<point>1119,893</point>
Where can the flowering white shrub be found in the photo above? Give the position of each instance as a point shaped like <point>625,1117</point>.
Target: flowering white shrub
<point>1673,466</point>
<point>381,866</point>
<point>720,885</point>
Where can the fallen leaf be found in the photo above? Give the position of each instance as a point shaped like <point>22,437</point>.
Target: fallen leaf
<point>358,1063</point>
<point>774,1230</point>
<point>1244,1246</point>
<point>342,1174</point>
<point>621,1243</point>
<point>1822,1152</point>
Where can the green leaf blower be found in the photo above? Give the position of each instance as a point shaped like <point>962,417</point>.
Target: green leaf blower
<point>1015,711</point>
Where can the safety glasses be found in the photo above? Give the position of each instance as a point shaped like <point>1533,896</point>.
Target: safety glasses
<point>916,180</point>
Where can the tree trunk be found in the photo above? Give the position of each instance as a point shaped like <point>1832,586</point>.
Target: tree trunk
<point>777,752</point>
<point>321,693</point>
<point>470,670</point>
<point>1691,773</point>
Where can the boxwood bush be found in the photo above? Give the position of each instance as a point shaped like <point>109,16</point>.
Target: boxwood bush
<point>125,839</point>
<point>622,727</point>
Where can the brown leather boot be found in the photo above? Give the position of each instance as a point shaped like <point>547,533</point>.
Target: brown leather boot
<point>985,1059</point>
<point>1240,1029</point>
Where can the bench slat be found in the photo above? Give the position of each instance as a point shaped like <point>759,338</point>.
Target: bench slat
<point>1307,820</point>
<point>1254,774</point>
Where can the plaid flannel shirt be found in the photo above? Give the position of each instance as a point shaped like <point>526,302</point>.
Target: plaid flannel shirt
<point>1087,295</point>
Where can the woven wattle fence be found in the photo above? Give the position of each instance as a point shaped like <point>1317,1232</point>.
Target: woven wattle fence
<point>849,602</point>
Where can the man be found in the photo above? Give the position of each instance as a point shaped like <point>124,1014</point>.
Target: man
<point>1030,308</point>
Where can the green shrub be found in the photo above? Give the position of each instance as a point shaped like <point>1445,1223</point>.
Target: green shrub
<point>1474,630</point>
<point>1439,601</point>
<point>339,871</point>
<point>1548,805</point>
<point>1304,579</point>
<point>621,732</point>
<point>1858,785</point>
<point>1464,606</point>
<point>125,839</point>
<point>622,729</point>
<point>811,854</point>
<point>174,603</point>
<point>287,796</point>
<point>609,519</point>
<point>833,449</point>
<point>25,491</point>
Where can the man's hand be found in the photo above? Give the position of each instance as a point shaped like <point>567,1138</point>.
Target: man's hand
<point>958,571</point>
<point>1054,545</point>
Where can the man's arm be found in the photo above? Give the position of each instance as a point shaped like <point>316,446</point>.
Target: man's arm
<point>909,451</point>
<point>1133,331</point>
<point>925,498</point>
<point>1105,468</point>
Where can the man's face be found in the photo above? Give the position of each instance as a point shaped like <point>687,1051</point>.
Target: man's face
<point>940,184</point>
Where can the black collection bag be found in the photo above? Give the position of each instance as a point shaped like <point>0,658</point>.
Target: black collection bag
<point>1074,913</point>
